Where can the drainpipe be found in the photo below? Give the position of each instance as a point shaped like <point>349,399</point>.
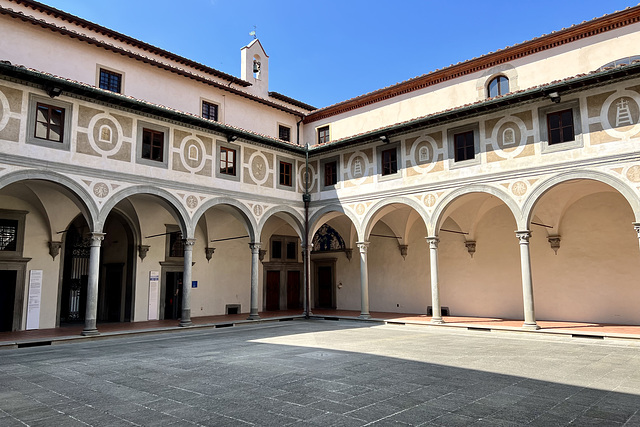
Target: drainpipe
<point>298,130</point>
<point>306,198</point>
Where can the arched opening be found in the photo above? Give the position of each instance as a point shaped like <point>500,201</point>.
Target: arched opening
<point>584,254</point>
<point>335,275</point>
<point>479,259</point>
<point>282,262</point>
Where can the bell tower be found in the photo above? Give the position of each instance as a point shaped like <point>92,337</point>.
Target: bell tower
<point>255,68</point>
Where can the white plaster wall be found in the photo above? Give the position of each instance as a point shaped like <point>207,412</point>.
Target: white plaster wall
<point>348,273</point>
<point>489,284</point>
<point>594,276</point>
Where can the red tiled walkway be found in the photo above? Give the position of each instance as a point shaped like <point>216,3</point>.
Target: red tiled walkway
<point>109,329</point>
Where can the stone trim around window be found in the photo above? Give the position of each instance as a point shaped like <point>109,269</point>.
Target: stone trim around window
<point>65,144</point>
<point>475,127</point>
<point>220,144</point>
<point>100,67</point>
<point>578,141</point>
<point>399,161</point>
<point>166,142</point>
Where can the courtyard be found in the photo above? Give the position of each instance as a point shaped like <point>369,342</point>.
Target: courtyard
<point>324,373</point>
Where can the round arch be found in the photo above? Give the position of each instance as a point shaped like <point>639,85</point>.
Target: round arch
<point>317,217</point>
<point>77,193</point>
<point>173,205</point>
<point>297,219</point>
<point>244,212</point>
<point>617,184</point>
<point>371,217</point>
<point>442,206</point>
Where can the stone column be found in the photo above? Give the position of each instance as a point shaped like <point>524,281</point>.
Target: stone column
<point>92,286</point>
<point>527,280</point>
<point>185,319</point>
<point>255,262</point>
<point>306,254</point>
<point>364,281</point>
<point>636,226</point>
<point>436,316</point>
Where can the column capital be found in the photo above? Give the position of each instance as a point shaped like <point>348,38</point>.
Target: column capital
<point>433,241</point>
<point>636,226</point>
<point>96,238</point>
<point>188,244</point>
<point>523,236</point>
<point>363,246</point>
<point>255,247</point>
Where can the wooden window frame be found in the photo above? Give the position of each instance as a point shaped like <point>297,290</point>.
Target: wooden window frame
<point>457,149</point>
<point>389,161</point>
<point>324,134</point>
<point>48,125</point>
<point>287,133</point>
<point>561,127</point>
<point>330,173</point>
<point>498,80</point>
<point>285,173</point>
<point>153,145</point>
<point>229,167</point>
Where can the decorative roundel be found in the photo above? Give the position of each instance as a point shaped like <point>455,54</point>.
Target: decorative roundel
<point>357,167</point>
<point>101,190</point>
<point>258,168</point>
<point>192,153</point>
<point>424,154</point>
<point>620,114</point>
<point>360,209</point>
<point>429,200</point>
<point>192,202</point>
<point>5,111</point>
<point>105,134</point>
<point>509,137</point>
<point>633,173</point>
<point>301,176</point>
<point>257,210</point>
<point>519,188</point>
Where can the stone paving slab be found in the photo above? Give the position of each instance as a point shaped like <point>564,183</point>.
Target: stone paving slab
<point>323,373</point>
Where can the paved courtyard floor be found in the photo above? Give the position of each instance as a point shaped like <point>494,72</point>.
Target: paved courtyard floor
<point>324,373</point>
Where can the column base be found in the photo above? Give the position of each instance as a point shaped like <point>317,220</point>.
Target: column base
<point>186,323</point>
<point>533,326</point>
<point>253,317</point>
<point>90,332</point>
<point>437,320</point>
<point>364,316</point>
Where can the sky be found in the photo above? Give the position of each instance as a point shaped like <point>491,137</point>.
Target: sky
<point>325,52</point>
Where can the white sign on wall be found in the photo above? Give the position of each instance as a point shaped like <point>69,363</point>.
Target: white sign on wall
<point>154,291</point>
<point>35,297</point>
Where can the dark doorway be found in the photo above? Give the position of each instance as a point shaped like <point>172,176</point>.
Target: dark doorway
<point>113,293</point>
<point>75,273</point>
<point>7,299</point>
<point>173,295</point>
<point>293,290</point>
<point>325,287</point>
<point>273,290</point>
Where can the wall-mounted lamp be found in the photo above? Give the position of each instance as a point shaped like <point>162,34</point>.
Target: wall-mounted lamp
<point>554,97</point>
<point>384,139</point>
<point>53,91</point>
<point>232,138</point>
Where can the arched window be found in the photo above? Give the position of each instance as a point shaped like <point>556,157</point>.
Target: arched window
<point>622,61</point>
<point>498,86</point>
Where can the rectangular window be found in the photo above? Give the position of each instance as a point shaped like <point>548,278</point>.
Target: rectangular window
<point>330,173</point>
<point>323,134</point>
<point>209,111</point>
<point>285,174</point>
<point>284,133</point>
<point>176,245</point>
<point>292,250</point>
<point>110,80</point>
<point>8,235</point>
<point>560,126</point>
<point>152,145</point>
<point>463,146</point>
<point>227,161</point>
<point>49,122</point>
<point>389,161</point>
<point>276,249</point>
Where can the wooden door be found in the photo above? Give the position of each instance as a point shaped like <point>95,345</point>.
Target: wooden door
<point>273,290</point>
<point>325,287</point>
<point>293,289</point>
